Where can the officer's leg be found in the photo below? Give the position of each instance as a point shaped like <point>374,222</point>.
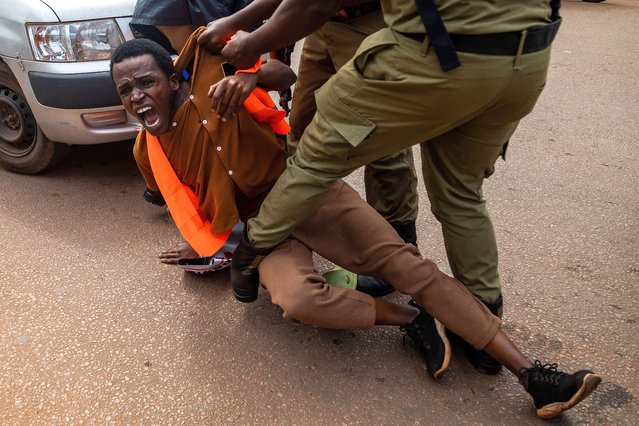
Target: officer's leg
<point>339,140</point>
<point>454,166</point>
<point>315,68</point>
<point>390,182</point>
<point>391,187</point>
<point>324,52</point>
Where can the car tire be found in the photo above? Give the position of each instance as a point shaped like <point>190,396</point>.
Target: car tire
<point>23,146</point>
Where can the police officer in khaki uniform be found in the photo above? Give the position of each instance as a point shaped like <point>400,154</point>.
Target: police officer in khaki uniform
<point>404,87</point>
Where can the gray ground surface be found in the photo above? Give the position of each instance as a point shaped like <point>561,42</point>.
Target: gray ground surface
<point>94,330</point>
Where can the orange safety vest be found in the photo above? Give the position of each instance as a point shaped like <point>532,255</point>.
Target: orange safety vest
<point>260,105</point>
<point>180,198</point>
<point>183,203</point>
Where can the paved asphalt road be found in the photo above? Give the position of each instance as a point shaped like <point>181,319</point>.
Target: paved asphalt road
<point>93,330</point>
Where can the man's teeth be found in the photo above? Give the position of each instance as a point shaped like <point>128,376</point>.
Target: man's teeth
<point>143,109</point>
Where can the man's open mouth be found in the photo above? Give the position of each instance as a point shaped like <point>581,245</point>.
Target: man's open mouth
<point>149,116</point>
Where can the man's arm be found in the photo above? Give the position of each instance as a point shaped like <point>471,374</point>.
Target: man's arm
<point>275,76</point>
<point>293,20</point>
<point>218,32</point>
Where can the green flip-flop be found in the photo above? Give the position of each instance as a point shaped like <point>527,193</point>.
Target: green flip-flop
<point>340,277</point>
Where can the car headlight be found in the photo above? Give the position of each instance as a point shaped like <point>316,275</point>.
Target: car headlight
<point>75,41</point>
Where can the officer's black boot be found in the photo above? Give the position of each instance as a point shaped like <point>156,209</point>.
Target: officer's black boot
<point>376,287</point>
<point>244,276</point>
<point>407,231</point>
<point>483,362</point>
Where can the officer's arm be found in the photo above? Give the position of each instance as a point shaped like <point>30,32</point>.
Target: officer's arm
<point>218,32</point>
<point>275,75</point>
<point>293,20</point>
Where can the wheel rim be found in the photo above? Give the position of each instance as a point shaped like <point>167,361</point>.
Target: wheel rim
<point>18,130</point>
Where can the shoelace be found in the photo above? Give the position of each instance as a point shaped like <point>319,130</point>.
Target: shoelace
<point>544,373</point>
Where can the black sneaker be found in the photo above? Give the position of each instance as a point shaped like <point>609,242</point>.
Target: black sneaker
<point>554,391</point>
<point>154,197</point>
<point>429,335</point>
<point>373,286</point>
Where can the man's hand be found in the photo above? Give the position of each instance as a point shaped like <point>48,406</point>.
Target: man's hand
<point>239,53</point>
<point>292,21</point>
<point>228,95</point>
<point>217,33</point>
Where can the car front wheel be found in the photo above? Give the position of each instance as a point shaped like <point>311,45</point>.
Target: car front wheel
<point>23,146</point>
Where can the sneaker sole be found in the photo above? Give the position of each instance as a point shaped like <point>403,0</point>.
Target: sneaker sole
<point>590,383</point>
<point>441,330</point>
<point>201,270</point>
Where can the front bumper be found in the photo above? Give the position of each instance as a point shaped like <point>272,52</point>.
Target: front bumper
<point>75,102</point>
<point>74,91</point>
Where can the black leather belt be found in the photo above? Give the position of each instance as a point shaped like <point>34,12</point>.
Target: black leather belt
<point>502,44</point>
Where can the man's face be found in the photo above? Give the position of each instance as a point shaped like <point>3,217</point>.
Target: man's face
<point>146,92</point>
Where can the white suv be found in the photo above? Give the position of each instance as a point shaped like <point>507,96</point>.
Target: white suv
<point>55,88</point>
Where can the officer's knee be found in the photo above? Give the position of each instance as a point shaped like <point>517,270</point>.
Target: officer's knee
<point>460,211</point>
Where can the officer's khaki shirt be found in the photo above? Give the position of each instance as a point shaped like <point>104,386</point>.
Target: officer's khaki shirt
<point>470,16</point>
<point>216,159</point>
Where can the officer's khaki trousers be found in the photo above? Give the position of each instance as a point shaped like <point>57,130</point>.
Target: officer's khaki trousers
<point>392,95</point>
<point>391,182</point>
<point>347,231</point>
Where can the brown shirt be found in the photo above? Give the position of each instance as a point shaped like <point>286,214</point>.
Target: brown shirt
<point>223,162</point>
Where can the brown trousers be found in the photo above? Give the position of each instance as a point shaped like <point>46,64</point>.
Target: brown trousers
<point>347,231</point>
